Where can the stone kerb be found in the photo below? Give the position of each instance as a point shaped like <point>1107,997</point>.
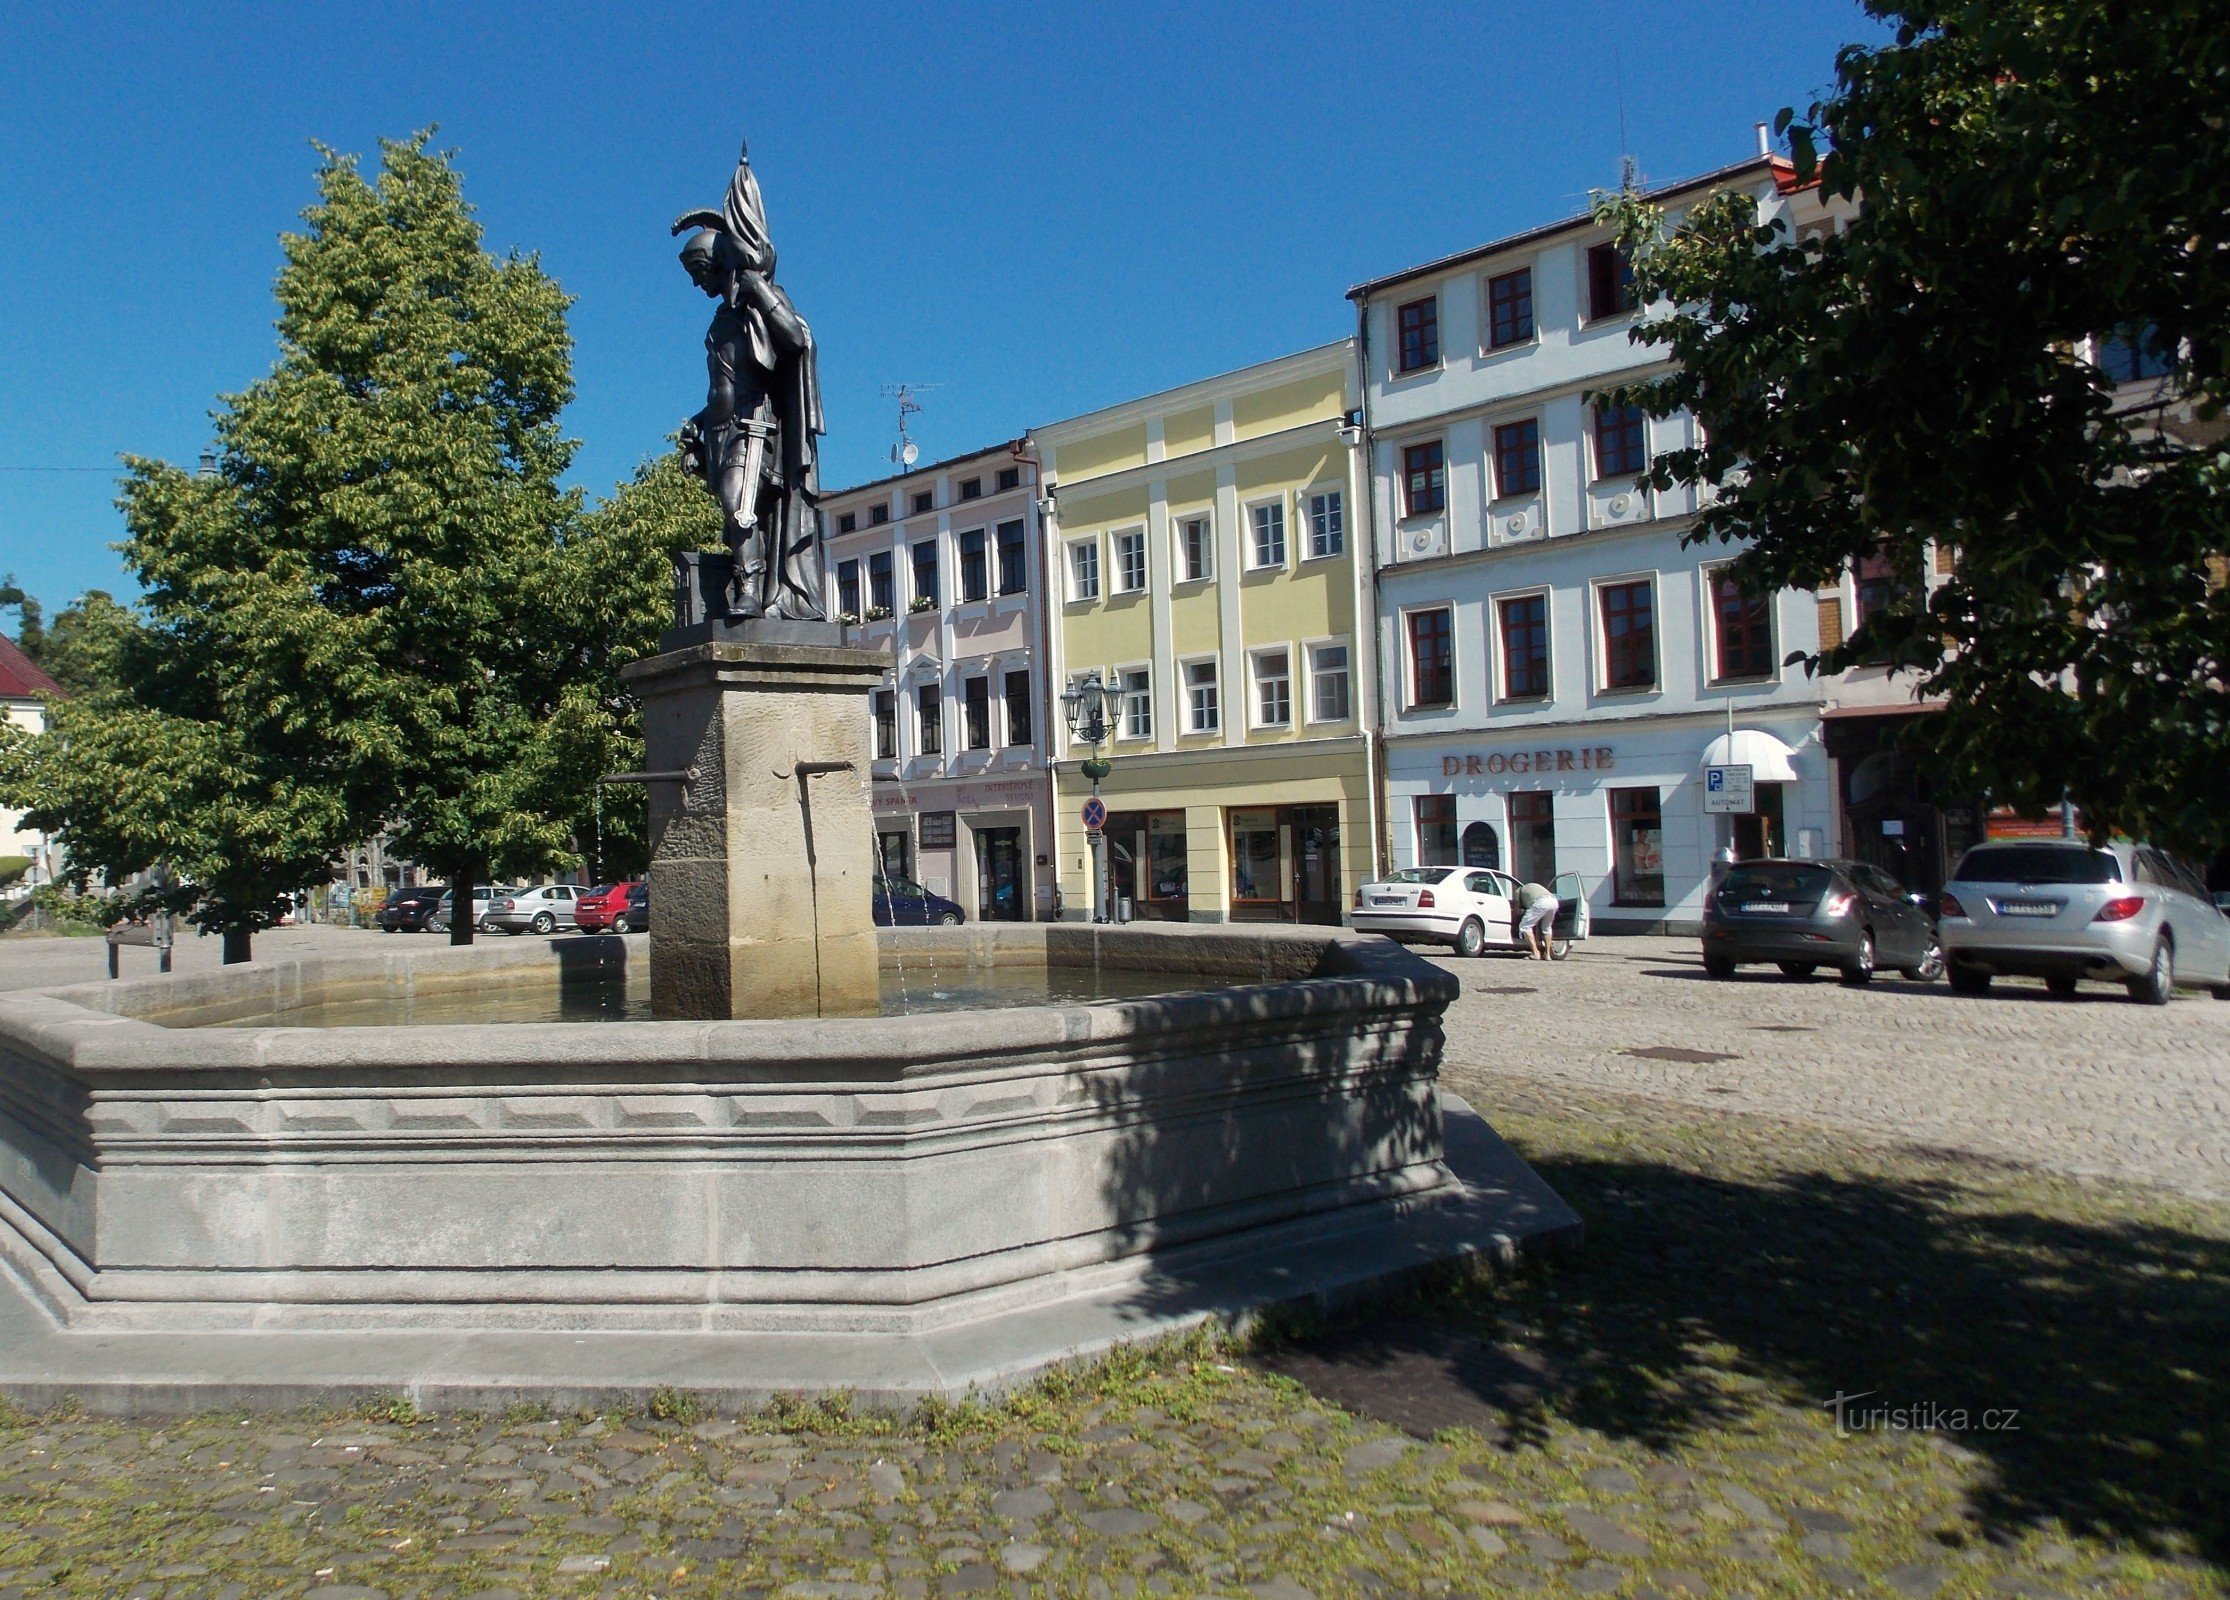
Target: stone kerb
<point>881,1172</point>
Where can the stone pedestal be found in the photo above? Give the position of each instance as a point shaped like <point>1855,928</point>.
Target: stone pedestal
<point>762,861</point>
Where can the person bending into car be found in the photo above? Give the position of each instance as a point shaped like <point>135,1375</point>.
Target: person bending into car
<point>1535,926</point>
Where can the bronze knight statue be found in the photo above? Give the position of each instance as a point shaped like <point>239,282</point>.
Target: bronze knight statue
<point>756,441</point>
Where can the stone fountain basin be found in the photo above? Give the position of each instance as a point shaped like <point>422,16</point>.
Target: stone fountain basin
<point>896,1185</point>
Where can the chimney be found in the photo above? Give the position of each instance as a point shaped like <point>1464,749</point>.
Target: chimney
<point>1765,140</point>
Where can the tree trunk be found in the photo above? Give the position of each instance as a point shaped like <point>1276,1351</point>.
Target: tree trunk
<point>238,941</point>
<point>462,878</point>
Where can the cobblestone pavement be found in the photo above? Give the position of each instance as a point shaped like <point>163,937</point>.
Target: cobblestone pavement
<point>2093,1086</point>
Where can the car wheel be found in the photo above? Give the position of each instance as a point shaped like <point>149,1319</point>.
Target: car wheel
<point>1968,980</point>
<point>1717,967</point>
<point>1559,948</point>
<point>620,924</point>
<point>1861,970</point>
<point>544,922</point>
<point>1471,938</point>
<point>1931,964</point>
<point>2060,987</point>
<point>438,925</point>
<point>950,919</point>
<point>2159,981</point>
<point>1797,969</point>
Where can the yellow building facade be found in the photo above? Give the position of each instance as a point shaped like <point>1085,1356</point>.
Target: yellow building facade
<point>1202,552</point>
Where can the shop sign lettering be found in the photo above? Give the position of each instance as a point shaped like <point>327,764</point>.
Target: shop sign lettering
<point>1593,758</point>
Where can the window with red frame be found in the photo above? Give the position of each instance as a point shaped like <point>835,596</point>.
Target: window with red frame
<point>1432,658</point>
<point>1877,586</point>
<point>1424,473</point>
<point>1629,635</point>
<point>1525,646</point>
<point>1744,623</point>
<point>1610,282</point>
<point>1419,326</point>
<point>1517,458</point>
<point>1436,830</point>
<point>1510,308</point>
<point>1620,449</point>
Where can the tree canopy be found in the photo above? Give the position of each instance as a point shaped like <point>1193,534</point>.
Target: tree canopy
<point>2031,177</point>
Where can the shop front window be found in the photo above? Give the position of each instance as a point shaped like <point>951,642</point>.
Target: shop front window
<point>1165,856</point>
<point>1146,862</point>
<point>1637,848</point>
<point>1255,874</point>
<point>1533,838</point>
<point>1436,830</point>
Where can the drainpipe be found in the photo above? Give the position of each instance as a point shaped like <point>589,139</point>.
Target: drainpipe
<point>1374,736</point>
<point>1049,572</point>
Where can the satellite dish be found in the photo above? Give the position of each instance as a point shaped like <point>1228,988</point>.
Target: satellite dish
<point>909,453</point>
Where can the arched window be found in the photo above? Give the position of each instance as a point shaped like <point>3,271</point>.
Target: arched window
<point>1480,847</point>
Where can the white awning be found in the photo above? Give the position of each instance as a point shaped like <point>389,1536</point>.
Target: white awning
<point>1765,756</point>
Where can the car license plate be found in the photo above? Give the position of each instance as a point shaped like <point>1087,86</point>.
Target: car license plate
<point>2028,908</point>
<point>1766,905</point>
<point>1387,900</point>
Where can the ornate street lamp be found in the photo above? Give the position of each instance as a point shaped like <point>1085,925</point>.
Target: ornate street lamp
<point>1086,707</point>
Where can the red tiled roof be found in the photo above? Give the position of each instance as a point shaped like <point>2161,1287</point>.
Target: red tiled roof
<point>20,677</point>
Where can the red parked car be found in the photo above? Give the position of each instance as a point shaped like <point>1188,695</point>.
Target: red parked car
<point>603,909</point>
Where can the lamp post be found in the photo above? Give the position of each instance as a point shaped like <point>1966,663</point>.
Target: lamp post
<point>1085,706</point>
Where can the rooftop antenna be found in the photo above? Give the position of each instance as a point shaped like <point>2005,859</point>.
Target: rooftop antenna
<point>905,452</point>
<point>1629,170</point>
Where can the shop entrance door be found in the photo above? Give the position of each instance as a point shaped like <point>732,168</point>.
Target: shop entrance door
<point>894,849</point>
<point>1002,888</point>
<point>1316,863</point>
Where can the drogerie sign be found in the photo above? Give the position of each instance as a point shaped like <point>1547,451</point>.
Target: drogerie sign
<point>1593,758</point>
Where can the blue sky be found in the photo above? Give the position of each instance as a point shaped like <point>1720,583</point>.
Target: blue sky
<point>1042,209</point>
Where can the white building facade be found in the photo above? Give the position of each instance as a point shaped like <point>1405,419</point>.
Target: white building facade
<point>24,691</point>
<point>1557,668</point>
<point>940,567</point>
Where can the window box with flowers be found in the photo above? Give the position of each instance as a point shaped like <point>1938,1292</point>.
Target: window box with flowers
<point>878,613</point>
<point>921,603</point>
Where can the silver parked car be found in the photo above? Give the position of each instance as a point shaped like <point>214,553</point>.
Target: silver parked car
<point>544,909</point>
<point>2063,911</point>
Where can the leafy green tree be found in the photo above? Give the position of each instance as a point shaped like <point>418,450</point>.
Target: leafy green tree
<point>30,616</point>
<point>80,648</point>
<point>2030,174</point>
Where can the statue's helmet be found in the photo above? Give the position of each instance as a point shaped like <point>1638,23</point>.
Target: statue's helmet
<point>700,253</point>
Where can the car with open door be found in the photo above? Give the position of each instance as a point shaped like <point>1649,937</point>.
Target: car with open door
<point>1472,910</point>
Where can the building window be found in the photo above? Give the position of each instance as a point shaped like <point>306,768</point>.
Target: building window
<point>1273,689</point>
<point>1524,620</point>
<point>1084,570</point>
<point>1610,282</point>
<point>878,515</point>
<point>1009,478</point>
<point>1517,458</point>
<point>929,719</point>
<point>1877,586</point>
<point>1629,635</point>
<point>1203,706</point>
<point>1196,549</point>
<point>881,595</point>
<point>975,713</point>
<point>1257,862</point>
<point>1130,561</point>
<point>1327,524</point>
<point>1637,848</point>
<point>1436,830</point>
<point>925,571</point>
<point>847,588</point>
<point>1620,449</point>
<point>971,488</point>
<point>1018,708</point>
<point>1533,838</point>
<point>1138,703</point>
<point>1744,624</point>
<point>886,724</point>
<point>1510,308</point>
<point>2133,354</point>
<point>1328,680</point>
<point>974,581</point>
<point>923,500</point>
<point>1268,520</point>
<point>1419,324</point>
<point>1424,475</point>
<point>1432,658</point>
<point>848,522</point>
<point>1014,563</point>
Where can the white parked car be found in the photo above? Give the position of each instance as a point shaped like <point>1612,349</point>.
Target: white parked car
<point>482,898</point>
<point>1469,909</point>
<point>542,910</point>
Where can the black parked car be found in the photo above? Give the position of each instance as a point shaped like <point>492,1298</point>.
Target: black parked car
<point>1804,915</point>
<point>905,904</point>
<point>410,910</point>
